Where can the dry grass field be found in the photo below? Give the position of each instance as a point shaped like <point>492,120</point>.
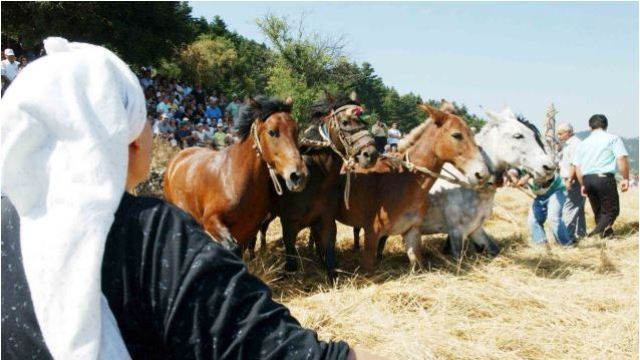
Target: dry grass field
<point>528,303</point>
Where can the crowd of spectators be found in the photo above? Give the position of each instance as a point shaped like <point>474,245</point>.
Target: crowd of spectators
<point>11,66</point>
<point>186,114</point>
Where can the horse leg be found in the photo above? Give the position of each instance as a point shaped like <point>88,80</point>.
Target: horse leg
<point>326,231</point>
<point>251,246</point>
<point>356,239</point>
<point>264,226</point>
<point>484,242</point>
<point>456,241</point>
<point>221,233</point>
<point>381,243</point>
<point>368,259</point>
<point>413,245</point>
<point>289,235</point>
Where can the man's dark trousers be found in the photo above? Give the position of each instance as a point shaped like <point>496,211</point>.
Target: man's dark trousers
<point>602,191</point>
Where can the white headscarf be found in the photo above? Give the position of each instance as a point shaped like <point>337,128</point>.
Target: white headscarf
<point>67,121</point>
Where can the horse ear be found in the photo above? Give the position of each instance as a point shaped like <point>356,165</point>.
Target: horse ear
<point>493,116</point>
<point>439,117</point>
<point>289,101</point>
<point>447,107</point>
<point>353,96</point>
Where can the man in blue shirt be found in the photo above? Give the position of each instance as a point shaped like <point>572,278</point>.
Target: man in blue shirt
<point>596,161</point>
<point>213,111</point>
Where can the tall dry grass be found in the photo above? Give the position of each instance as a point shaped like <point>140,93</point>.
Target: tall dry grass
<point>528,303</point>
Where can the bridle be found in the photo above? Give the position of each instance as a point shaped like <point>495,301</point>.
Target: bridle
<point>260,154</point>
<point>353,138</point>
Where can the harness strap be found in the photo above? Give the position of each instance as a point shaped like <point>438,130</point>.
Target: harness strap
<point>260,154</point>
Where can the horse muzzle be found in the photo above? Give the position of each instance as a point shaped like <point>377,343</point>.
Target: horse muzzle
<point>296,180</point>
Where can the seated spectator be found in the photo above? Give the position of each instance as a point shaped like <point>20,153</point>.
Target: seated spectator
<point>146,80</point>
<point>164,106</point>
<point>184,135</point>
<point>233,107</point>
<point>163,126</point>
<point>220,137</point>
<point>199,95</point>
<point>23,63</point>
<point>207,134</point>
<point>213,111</point>
<point>9,69</point>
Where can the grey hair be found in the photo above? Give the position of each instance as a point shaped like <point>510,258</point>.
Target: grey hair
<point>565,126</point>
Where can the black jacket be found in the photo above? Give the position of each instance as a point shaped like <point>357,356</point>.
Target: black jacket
<point>174,293</point>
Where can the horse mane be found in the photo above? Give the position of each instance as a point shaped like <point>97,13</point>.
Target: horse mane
<point>413,136</point>
<point>323,107</point>
<point>260,109</point>
<point>417,131</point>
<point>536,133</point>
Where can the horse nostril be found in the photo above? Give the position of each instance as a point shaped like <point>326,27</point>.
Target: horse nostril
<point>366,154</point>
<point>478,176</point>
<point>548,168</point>
<point>295,177</point>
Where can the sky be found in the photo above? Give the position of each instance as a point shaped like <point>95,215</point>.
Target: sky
<point>583,57</point>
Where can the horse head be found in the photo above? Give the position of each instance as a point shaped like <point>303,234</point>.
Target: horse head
<point>275,136</point>
<point>513,142</point>
<point>453,142</point>
<point>346,130</point>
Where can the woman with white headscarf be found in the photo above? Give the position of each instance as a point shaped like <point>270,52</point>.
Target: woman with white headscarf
<point>90,273</point>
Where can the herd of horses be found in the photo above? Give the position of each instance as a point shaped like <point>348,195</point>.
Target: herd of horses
<point>334,173</point>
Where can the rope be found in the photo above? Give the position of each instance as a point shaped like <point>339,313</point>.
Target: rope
<point>260,153</point>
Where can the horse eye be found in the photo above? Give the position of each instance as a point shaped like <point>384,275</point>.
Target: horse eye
<point>457,136</point>
<point>518,136</point>
<point>273,133</point>
<point>345,123</point>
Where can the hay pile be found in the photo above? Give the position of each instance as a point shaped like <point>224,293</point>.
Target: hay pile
<point>529,303</point>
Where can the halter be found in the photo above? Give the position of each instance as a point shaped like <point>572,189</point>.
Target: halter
<point>353,140</point>
<point>452,178</point>
<point>260,154</point>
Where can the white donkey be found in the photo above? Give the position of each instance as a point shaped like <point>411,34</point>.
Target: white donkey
<point>506,142</point>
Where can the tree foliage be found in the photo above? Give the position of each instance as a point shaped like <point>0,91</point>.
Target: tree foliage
<point>139,32</point>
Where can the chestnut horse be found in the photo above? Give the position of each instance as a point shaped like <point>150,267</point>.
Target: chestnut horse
<point>228,191</point>
<point>316,205</point>
<point>387,200</point>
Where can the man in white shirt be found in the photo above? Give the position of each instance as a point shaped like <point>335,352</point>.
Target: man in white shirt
<point>597,159</point>
<point>393,137</point>
<point>573,209</point>
<point>9,69</point>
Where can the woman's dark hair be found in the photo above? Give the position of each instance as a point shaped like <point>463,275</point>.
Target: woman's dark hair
<point>598,121</point>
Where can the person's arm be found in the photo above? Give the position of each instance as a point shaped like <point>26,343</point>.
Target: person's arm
<point>580,177</point>
<point>623,167</point>
<point>216,309</point>
<point>572,175</point>
<point>523,180</point>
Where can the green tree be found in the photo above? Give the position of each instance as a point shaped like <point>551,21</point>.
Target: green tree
<point>140,32</point>
<point>209,61</point>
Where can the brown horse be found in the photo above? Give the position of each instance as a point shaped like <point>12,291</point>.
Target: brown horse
<point>387,200</point>
<point>316,205</point>
<point>228,191</point>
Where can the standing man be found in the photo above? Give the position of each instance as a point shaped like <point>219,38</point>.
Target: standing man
<point>379,131</point>
<point>394,136</point>
<point>573,210</point>
<point>595,161</point>
<point>9,69</point>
